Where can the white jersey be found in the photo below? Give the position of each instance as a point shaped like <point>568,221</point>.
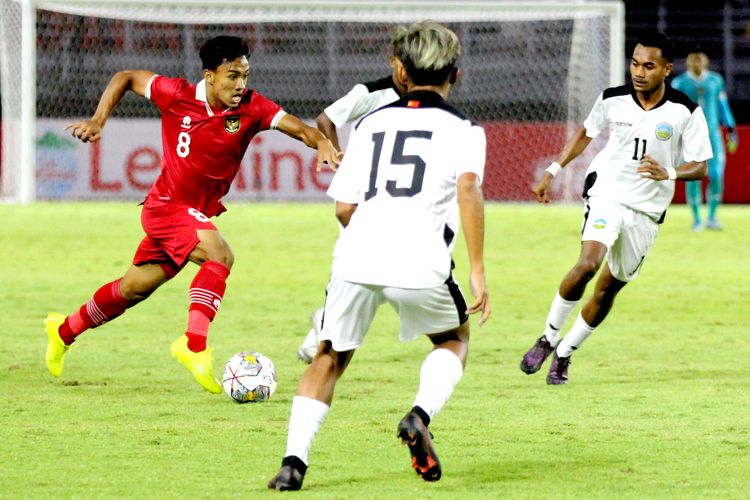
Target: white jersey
<point>673,131</point>
<point>363,98</point>
<point>401,170</point>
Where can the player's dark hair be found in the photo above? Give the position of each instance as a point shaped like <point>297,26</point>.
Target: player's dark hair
<point>659,41</point>
<point>221,49</point>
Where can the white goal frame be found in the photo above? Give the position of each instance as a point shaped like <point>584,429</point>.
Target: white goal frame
<point>22,159</point>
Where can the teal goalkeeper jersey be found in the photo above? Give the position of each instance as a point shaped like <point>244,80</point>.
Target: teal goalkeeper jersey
<point>708,91</point>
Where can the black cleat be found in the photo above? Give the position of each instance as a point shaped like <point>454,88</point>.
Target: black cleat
<point>414,434</point>
<point>290,476</point>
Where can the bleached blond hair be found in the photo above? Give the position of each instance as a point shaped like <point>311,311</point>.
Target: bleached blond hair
<point>428,50</point>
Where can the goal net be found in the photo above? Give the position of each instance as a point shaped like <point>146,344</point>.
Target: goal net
<point>530,72</point>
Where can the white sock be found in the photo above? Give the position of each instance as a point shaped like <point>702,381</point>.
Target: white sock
<point>304,422</point>
<point>575,337</point>
<point>441,371</point>
<point>559,311</point>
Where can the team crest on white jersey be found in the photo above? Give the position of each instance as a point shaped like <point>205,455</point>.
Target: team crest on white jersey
<point>232,124</point>
<point>600,224</point>
<point>664,131</point>
<point>186,122</point>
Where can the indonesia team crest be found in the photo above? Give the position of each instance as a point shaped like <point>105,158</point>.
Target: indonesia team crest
<point>232,124</point>
<point>664,131</point>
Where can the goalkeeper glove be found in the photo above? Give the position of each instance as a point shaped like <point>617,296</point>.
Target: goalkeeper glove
<point>732,141</point>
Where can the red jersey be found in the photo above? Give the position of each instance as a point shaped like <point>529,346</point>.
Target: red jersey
<point>202,146</point>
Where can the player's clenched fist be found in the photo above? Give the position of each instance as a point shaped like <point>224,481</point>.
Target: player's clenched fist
<point>542,189</point>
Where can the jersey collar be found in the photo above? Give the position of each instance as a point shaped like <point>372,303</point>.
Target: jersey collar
<point>200,95</point>
<point>427,97</point>
<point>664,98</point>
<point>698,78</point>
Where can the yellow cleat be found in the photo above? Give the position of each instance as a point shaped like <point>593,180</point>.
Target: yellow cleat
<point>199,364</point>
<point>56,348</point>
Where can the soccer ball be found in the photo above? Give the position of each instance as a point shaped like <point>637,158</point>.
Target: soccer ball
<point>249,377</point>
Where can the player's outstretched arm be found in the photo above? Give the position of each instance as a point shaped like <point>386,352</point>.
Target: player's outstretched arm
<point>90,130</point>
<point>313,138</point>
<point>574,147</point>
<point>471,206</point>
<point>328,128</point>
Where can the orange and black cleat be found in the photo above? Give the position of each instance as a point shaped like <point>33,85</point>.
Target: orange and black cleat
<point>424,459</point>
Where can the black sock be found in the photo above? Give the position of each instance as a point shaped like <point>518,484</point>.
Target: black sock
<point>422,415</point>
<point>295,462</point>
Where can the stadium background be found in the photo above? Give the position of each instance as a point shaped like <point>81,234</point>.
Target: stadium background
<point>308,65</point>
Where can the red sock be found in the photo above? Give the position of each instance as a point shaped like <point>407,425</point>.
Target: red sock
<point>197,330</point>
<point>106,304</point>
<point>206,292</point>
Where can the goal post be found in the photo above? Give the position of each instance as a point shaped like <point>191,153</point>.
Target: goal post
<point>17,101</point>
<point>530,71</point>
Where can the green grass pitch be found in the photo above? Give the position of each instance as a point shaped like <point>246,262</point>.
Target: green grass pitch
<point>658,405</point>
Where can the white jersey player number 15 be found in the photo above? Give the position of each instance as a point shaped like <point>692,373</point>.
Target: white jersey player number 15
<point>398,158</point>
<point>400,169</point>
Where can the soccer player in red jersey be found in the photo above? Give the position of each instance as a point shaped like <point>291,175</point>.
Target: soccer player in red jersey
<point>206,129</point>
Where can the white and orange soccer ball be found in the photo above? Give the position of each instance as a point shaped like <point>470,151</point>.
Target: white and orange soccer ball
<point>249,377</point>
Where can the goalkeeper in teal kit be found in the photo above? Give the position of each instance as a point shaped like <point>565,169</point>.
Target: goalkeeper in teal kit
<point>707,89</point>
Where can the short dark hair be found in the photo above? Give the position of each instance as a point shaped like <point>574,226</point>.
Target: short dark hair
<point>659,41</point>
<point>221,49</point>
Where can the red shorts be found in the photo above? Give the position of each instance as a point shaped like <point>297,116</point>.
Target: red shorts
<point>170,232</point>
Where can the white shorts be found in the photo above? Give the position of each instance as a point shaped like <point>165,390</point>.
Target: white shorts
<point>627,233</point>
<point>350,309</point>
